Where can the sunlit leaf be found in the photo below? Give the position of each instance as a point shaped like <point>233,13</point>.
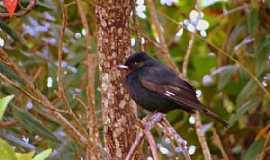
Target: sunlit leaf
<point>6,151</point>
<point>24,156</point>
<point>3,104</point>
<point>43,155</point>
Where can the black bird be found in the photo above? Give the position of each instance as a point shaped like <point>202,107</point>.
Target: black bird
<point>157,88</point>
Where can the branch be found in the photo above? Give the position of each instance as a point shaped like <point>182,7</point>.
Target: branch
<point>61,90</point>
<point>165,54</point>
<point>90,90</point>
<point>187,55</point>
<point>170,132</point>
<point>218,142</point>
<point>149,122</point>
<point>201,137</point>
<point>200,134</point>
<point>151,141</point>
<point>8,123</point>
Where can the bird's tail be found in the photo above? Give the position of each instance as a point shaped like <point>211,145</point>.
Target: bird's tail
<point>213,115</point>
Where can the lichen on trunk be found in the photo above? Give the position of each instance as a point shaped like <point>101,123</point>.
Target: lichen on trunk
<point>113,37</point>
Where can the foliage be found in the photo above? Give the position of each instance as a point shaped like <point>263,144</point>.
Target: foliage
<point>229,67</point>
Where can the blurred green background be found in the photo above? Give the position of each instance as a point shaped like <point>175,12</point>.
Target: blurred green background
<point>229,67</point>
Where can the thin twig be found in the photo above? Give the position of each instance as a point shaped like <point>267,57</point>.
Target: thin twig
<point>201,137</point>
<point>170,132</point>
<point>264,131</point>
<point>218,142</point>
<point>61,90</point>
<point>165,54</point>
<point>151,141</point>
<point>135,145</point>
<point>37,96</point>
<point>187,55</point>
<point>91,64</point>
<point>8,123</point>
<point>236,9</point>
<point>148,123</point>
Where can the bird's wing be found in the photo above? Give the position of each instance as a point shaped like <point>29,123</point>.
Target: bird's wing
<point>165,82</point>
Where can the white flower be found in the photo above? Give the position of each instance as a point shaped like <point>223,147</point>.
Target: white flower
<point>194,16</point>
<point>149,158</point>
<point>264,83</point>
<point>140,9</point>
<point>202,25</point>
<point>203,34</point>
<point>142,40</point>
<point>198,93</point>
<point>163,150</point>
<point>207,80</point>
<point>133,42</point>
<point>191,149</point>
<point>2,42</point>
<point>78,35</point>
<point>140,2</point>
<point>191,28</point>
<point>196,23</point>
<point>83,32</point>
<point>167,2</point>
<point>191,120</point>
<point>49,82</point>
<point>180,32</point>
<point>29,105</point>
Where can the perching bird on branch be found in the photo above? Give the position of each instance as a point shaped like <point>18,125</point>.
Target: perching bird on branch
<point>157,88</point>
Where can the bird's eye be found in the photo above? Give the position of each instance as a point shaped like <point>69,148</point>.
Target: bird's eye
<point>138,63</point>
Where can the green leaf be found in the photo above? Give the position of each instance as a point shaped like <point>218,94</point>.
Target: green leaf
<point>24,156</point>
<point>246,92</point>
<point>225,76</point>
<point>252,21</point>
<point>268,3</point>
<point>33,124</point>
<point>262,55</point>
<point>242,110</point>
<point>9,73</point>
<point>6,152</point>
<point>3,104</point>
<point>43,155</point>
<point>5,27</point>
<point>254,149</point>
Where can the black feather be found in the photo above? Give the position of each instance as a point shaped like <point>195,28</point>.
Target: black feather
<point>156,87</point>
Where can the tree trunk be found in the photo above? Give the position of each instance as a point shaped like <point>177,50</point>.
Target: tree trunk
<point>113,36</point>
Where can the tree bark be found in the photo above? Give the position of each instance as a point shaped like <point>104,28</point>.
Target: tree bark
<point>113,38</point>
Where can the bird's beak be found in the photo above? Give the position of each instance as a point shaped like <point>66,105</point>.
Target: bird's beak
<point>121,66</point>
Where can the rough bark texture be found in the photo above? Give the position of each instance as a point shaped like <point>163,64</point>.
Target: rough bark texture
<point>114,46</point>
